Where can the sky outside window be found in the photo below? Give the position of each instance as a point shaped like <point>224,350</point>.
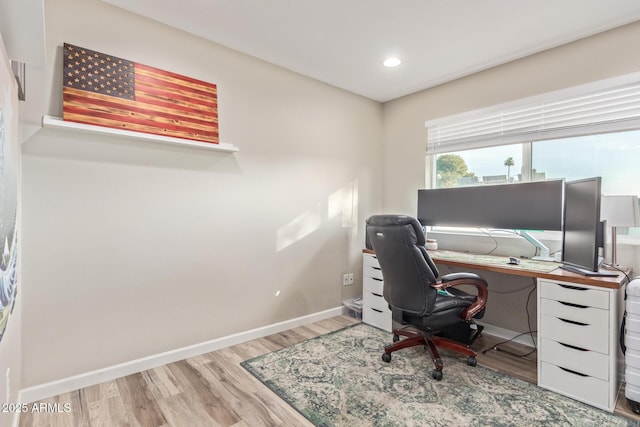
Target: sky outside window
<point>613,156</point>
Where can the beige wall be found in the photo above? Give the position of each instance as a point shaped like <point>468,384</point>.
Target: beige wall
<point>606,55</point>
<point>132,248</point>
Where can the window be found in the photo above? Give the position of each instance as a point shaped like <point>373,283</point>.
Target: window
<point>614,156</point>
<point>577,134</point>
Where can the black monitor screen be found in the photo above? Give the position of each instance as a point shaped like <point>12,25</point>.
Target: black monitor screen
<point>583,232</point>
<point>523,206</point>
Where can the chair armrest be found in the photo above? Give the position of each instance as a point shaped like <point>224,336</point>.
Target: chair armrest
<point>458,279</point>
<point>457,276</point>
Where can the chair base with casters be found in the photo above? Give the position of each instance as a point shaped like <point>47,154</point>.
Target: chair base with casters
<point>454,328</point>
<point>431,343</point>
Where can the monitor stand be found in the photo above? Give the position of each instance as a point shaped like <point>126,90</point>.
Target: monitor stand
<point>586,272</point>
<point>544,250</point>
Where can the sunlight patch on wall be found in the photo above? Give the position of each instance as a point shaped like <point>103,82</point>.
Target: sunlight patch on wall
<point>342,202</point>
<point>300,227</point>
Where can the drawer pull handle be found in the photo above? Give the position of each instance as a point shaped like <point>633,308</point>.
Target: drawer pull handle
<point>573,322</point>
<point>570,304</point>
<point>375,309</point>
<point>573,372</point>
<point>575,288</point>
<point>377,295</point>
<point>376,268</point>
<point>573,347</point>
<point>375,278</point>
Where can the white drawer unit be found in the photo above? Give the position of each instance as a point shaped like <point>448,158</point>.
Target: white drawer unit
<point>375,310</point>
<point>577,338</point>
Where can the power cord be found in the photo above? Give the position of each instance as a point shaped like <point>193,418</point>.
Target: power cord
<point>613,267</point>
<point>535,249</point>
<point>513,291</point>
<point>495,241</point>
<point>496,347</point>
<point>533,286</point>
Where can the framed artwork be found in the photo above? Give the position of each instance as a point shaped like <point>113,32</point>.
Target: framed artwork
<point>9,158</point>
<point>104,90</point>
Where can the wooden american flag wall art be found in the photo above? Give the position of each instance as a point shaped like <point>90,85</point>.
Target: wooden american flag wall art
<point>104,90</point>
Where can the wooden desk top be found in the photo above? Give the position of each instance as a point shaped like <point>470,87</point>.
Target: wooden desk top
<point>527,267</point>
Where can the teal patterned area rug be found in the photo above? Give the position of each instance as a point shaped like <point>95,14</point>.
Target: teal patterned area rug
<point>339,379</point>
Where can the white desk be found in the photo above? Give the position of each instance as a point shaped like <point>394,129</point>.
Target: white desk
<point>578,321</point>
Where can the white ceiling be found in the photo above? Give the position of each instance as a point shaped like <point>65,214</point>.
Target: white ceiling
<point>343,42</point>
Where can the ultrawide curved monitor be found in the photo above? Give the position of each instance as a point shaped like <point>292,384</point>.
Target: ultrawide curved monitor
<point>523,206</point>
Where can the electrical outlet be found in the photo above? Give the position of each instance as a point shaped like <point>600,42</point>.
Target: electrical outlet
<point>345,280</point>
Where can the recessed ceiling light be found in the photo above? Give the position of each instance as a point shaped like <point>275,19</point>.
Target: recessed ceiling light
<point>392,62</point>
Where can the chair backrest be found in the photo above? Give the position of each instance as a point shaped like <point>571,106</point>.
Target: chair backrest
<point>407,268</point>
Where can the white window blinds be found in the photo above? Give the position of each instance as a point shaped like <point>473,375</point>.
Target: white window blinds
<point>606,110</point>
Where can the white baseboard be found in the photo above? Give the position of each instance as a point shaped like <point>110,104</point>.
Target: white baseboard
<point>507,334</point>
<point>65,385</point>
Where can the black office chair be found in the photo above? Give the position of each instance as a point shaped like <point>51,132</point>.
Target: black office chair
<point>418,299</point>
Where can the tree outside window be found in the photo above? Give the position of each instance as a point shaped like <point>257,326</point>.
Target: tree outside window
<point>451,169</point>
<point>508,163</point>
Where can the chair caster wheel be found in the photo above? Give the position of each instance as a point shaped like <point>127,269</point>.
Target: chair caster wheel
<point>437,375</point>
<point>386,357</point>
<point>471,361</point>
<point>396,338</point>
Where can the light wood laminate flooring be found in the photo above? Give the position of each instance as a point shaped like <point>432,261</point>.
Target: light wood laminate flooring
<point>214,390</point>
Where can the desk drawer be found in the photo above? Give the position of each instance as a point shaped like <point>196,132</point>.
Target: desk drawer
<point>374,272</point>
<point>582,314</point>
<point>584,388</point>
<point>588,337</point>
<point>375,300</point>
<point>372,284</point>
<point>586,362</point>
<point>575,294</point>
<point>376,317</point>
<point>370,260</point>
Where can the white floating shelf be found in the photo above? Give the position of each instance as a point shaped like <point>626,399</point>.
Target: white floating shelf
<point>58,123</point>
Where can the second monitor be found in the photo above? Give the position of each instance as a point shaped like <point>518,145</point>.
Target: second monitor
<point>583,237</point>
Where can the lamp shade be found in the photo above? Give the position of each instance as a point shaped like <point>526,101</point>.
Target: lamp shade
<point>620,211</point>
